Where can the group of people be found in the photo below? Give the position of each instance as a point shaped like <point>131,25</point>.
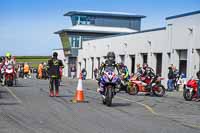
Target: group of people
<point>24,70</point>
<point>173,78</point>
<point>121,70</point>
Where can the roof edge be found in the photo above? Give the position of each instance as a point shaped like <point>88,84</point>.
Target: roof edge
<point>123,34</point>
<point>183,15</point>
<point>70,13</point>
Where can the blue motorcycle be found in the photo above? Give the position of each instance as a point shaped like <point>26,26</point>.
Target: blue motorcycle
<point>110,81</point>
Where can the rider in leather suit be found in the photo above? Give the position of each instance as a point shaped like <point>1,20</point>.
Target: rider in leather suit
<point>108,65</point>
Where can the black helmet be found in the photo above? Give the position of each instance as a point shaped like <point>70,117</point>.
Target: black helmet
<point>111,56</point>
<point>145,65</point>
<point>55,54</point>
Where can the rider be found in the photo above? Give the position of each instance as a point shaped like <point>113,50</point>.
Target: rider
<point>147,74</point>
<point>125,76</point>
<point>108,65</point>
<point>8,61</point>
<point>124,70</point>
<point>53,66</point>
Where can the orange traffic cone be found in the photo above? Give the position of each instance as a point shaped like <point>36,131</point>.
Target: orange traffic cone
<point>79,96</point>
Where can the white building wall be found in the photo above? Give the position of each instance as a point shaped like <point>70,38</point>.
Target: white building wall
<point>132,44</point>
<point>180,34</point>
<point>185,34</point>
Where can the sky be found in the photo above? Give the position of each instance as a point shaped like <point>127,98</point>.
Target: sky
<point>27,26</point>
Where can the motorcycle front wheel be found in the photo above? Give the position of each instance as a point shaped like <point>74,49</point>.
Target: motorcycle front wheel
<point>109,95</point>
<point>187,95</point>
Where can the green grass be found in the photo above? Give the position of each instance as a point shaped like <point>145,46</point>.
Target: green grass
<point>34,61</point>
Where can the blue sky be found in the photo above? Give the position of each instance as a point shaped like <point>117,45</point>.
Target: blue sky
<point>27,26</point>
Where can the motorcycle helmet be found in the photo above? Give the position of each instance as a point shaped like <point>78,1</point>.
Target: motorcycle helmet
<point>145,65</point>
<point>8,55</point>
<point>111,56</point>
<point>55,54</point>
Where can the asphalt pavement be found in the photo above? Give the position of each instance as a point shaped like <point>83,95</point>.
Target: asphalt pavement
<point>27,108</point>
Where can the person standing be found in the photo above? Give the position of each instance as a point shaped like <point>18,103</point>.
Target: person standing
<point>84,73</point>
<point>26,70</point>
<point>170,85</point>
<point>73,71</point>
<point>95,73</point>
<point>40,68</point>
<point>53,66</point>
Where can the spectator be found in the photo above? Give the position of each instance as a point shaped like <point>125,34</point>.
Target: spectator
<point>26,70</point>
<point>170,85</point>
<point>84,73</point>
<point>176,77</point>
<point>95,72</point>
<point>139,71</point>
<point>35,73</point>
<point>73,71</point>
<point>40,67</point>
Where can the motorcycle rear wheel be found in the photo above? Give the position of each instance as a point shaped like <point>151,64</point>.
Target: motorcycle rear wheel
<point>160,92</point>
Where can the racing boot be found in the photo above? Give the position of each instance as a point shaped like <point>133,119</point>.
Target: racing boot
<point>57,92</point>
<point>51,93</point>
<point>3,81</point>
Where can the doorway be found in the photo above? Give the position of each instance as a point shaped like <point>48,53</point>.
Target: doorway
<point>92,59</point>
<point>182,61</point>
<point>159,63</point>
<point>198,52</point>
<point>85,63</point>
<point>98,62</point>
<point>132,63</point>
<point>144,57</point>
<point>122,57</point>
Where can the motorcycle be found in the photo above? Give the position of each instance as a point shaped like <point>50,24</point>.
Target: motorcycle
<point>110,81</point>
<point>149,85</point>
<point>190,90</point>
<point>9,73</point>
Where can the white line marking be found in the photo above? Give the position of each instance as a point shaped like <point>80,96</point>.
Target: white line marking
<point>11,92</point>
<point>152,111</point>
<point>142,104</point>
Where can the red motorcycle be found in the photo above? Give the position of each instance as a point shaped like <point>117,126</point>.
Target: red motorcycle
<point>190,90</point>
<point>10,75</point>
<point>148,85</point>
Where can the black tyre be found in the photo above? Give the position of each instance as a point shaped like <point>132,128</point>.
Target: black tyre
<point>103,101</point>
<point>108,99</point>
<point>133,89</point>
<point>159,91</point>
<point>9,83</point>
<point>187,95</point>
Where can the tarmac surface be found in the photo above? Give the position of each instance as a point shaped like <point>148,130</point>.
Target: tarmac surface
<point>27,108</point>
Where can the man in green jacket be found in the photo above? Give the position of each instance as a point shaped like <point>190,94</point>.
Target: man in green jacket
<point>54,65</point>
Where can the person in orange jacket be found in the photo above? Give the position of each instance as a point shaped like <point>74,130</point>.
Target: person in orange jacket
<point>26,70</point>
<point>40,67</point>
